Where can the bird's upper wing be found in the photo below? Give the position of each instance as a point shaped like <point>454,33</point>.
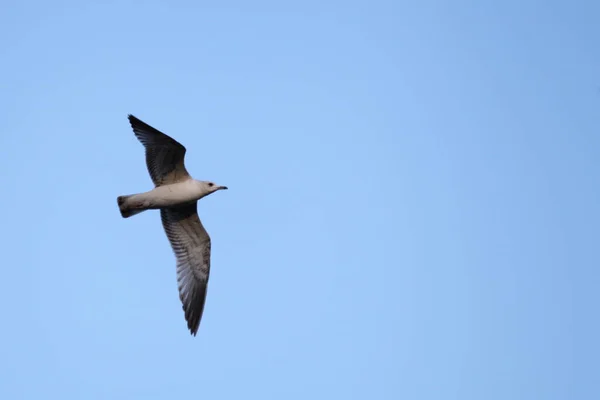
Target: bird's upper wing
<point>164,155</point>
<point>191,245</point>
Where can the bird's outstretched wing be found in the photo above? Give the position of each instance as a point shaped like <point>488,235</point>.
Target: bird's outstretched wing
<point>191,245</point>
<point>164,155</point>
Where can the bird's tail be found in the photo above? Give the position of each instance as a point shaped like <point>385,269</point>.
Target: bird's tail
<point>125,207</point>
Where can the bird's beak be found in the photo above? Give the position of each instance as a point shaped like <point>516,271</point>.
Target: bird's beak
<point>222,188</point>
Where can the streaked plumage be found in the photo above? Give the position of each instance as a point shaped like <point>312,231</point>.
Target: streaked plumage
<point>176,194</point>
<point>164,155</point>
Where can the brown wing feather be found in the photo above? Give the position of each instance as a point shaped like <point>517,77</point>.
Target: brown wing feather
<point>191,245</point>
<point>164,155</point>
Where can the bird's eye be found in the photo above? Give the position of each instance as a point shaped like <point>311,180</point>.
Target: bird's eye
<point>211,184</point>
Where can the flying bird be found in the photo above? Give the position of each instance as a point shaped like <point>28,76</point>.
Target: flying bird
<point>176,195</point>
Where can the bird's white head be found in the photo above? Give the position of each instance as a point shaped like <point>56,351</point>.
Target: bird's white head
<point>207,187</point>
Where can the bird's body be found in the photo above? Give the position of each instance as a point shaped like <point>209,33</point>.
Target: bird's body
<point>176,195</point>
<point>171,195</point>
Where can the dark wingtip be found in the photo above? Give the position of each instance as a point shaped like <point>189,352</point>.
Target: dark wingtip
<point>193,323</point>
<point>133,119</point>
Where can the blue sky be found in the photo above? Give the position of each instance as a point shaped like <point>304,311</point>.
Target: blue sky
<point>412,213</point>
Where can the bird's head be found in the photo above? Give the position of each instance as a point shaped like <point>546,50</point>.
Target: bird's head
<point>210,187</point>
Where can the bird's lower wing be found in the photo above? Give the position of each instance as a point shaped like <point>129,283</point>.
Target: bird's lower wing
<point>191,245</point>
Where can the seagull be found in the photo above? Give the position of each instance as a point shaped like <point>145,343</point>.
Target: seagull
<point>176,195</point>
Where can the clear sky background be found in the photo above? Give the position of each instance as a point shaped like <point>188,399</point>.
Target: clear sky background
<point>412,213</point>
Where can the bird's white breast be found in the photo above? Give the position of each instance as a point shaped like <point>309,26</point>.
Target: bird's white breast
<point>174,194</point>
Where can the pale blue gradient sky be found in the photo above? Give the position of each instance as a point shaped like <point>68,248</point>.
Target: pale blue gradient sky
<point>412,213</point>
